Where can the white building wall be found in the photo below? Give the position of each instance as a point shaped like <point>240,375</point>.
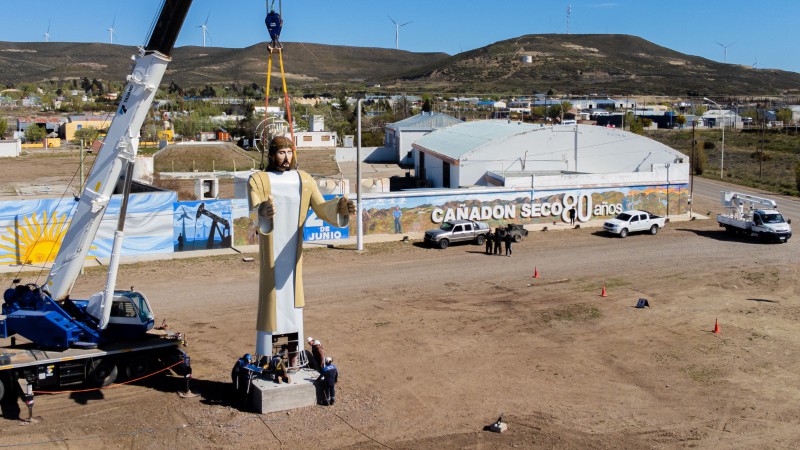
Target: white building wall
<point>318,139</point>
<point>404,140</point>
<point>10,149</point>
<point>657,174</point>
<point>433,171</point>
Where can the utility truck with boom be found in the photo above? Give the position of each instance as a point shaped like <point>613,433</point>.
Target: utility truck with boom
<point>70,341</point>
<point>753,216</point>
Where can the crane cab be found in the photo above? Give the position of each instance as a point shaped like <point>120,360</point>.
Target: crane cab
<point>131,314</point>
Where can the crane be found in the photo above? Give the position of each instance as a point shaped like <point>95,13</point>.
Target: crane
<point>66,328</point>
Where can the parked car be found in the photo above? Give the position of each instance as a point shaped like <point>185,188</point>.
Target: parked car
<point>517,231</point>
<point>457,231</point>
<point>634,220</point>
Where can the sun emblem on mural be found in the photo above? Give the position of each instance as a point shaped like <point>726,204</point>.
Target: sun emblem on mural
<point>37,241</point>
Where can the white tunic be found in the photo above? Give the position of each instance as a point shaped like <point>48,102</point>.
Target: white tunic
<point>285,191</point>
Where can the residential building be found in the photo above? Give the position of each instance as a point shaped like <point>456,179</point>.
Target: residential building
<point>400,136</point>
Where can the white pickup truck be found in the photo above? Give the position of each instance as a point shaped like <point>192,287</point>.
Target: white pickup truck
<point>630,221</point>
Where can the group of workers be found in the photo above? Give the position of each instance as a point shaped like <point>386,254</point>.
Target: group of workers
<point>328,373</point>
<point>276,368</point>
<point>495,239</point>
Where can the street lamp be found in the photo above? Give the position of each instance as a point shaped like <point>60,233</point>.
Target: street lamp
<point>722,158</point>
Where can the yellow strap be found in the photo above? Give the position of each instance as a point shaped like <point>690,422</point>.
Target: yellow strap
<point>269,78</point>
<point>286,95</point>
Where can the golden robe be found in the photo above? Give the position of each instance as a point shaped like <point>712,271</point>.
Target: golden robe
<point>258,191</point>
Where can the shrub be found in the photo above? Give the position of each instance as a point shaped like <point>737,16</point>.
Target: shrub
<point>699,161</point>
<point>797,176</point>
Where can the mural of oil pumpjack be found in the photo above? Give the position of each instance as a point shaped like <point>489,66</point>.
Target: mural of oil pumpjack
<point>211,229</point>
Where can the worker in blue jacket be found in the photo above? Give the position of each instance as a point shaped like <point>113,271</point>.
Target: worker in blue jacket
<point>329,375</point>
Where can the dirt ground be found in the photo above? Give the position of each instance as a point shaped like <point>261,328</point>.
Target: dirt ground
<point>433,345</point>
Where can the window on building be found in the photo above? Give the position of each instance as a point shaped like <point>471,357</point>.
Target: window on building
<point>307,138</point>
<point>326,138</point>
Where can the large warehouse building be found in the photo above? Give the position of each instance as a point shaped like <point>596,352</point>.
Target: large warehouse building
<point>507,153</point>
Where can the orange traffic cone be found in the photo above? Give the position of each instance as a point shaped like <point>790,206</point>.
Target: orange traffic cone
<point>716,327</point>
<point>535,272</point>
<point>603,292</point>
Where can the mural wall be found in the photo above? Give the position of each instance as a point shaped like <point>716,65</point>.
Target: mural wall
<point>409,213</point>
<point>31,230</point>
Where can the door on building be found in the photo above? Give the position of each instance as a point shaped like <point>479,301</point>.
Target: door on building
<point>421,171</point>
<point>446,174</point>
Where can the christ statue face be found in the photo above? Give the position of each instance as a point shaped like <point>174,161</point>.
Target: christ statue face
<point>282,159</point>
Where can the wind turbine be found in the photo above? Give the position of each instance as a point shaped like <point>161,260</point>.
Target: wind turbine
<point>726,50</point>
<point>397,31</point>
<point>111,33</point>
<point>47,33</point>
<point>755,64</point>
<point>204,27</point>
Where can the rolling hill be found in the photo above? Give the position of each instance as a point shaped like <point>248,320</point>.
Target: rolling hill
<point>581,64</point>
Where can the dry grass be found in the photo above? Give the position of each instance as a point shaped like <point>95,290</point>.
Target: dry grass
<point>742,166</point>
<point>204,158</point>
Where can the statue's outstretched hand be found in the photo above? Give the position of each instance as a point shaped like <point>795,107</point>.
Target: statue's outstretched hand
<point>346,207</point>
<point>267,208</point>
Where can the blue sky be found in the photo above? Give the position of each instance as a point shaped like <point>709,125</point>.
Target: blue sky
<point>756,32</point>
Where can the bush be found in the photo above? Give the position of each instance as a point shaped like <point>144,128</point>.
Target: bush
<point>709,145</point>
<point>797,176</point>
<point>699,161</point>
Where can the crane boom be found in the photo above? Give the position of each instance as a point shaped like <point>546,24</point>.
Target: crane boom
<point>119,147</point>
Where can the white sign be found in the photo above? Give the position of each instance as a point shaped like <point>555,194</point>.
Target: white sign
<point>582,203</point>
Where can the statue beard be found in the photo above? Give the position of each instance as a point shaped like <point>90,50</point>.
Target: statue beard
<point>279,166</point>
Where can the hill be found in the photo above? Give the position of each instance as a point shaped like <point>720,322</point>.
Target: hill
<point>198,66</point>
<point>609,64</point>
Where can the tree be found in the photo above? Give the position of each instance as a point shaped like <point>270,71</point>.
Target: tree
<point>86,85</point>
<point>174,88</point>
<point>681,120</point>
<point>700,110</point>
<point>208,91</point>
<point>784,115</point>
<point>34,133</point>
<point>699,160</point>
<point>554,111</point>
<point>88,135</point>
<point>3,127</point>
<point>343,106</point>
<point>97,86</point>
<point>635,125</point>
<point>426,105</point>
<point>797,176</point>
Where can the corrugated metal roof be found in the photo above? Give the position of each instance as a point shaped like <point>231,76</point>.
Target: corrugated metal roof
<point>457,140</point>
<point>425,121</point>
<point>600,149</point>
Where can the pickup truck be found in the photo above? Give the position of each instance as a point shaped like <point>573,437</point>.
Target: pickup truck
<point>457,231</point>
<point>630,221</point>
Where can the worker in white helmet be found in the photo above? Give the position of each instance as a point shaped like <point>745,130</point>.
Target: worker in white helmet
<point>329,376</point>
<point>317,354</point>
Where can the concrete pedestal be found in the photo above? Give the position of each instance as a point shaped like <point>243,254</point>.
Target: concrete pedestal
<point>268,396</point>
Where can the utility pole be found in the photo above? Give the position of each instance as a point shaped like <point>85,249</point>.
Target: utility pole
<point>722,118</point>
<point>761,152</point>
<point>80,188</point>
<point>691,167</point>
<point>359,202</point>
